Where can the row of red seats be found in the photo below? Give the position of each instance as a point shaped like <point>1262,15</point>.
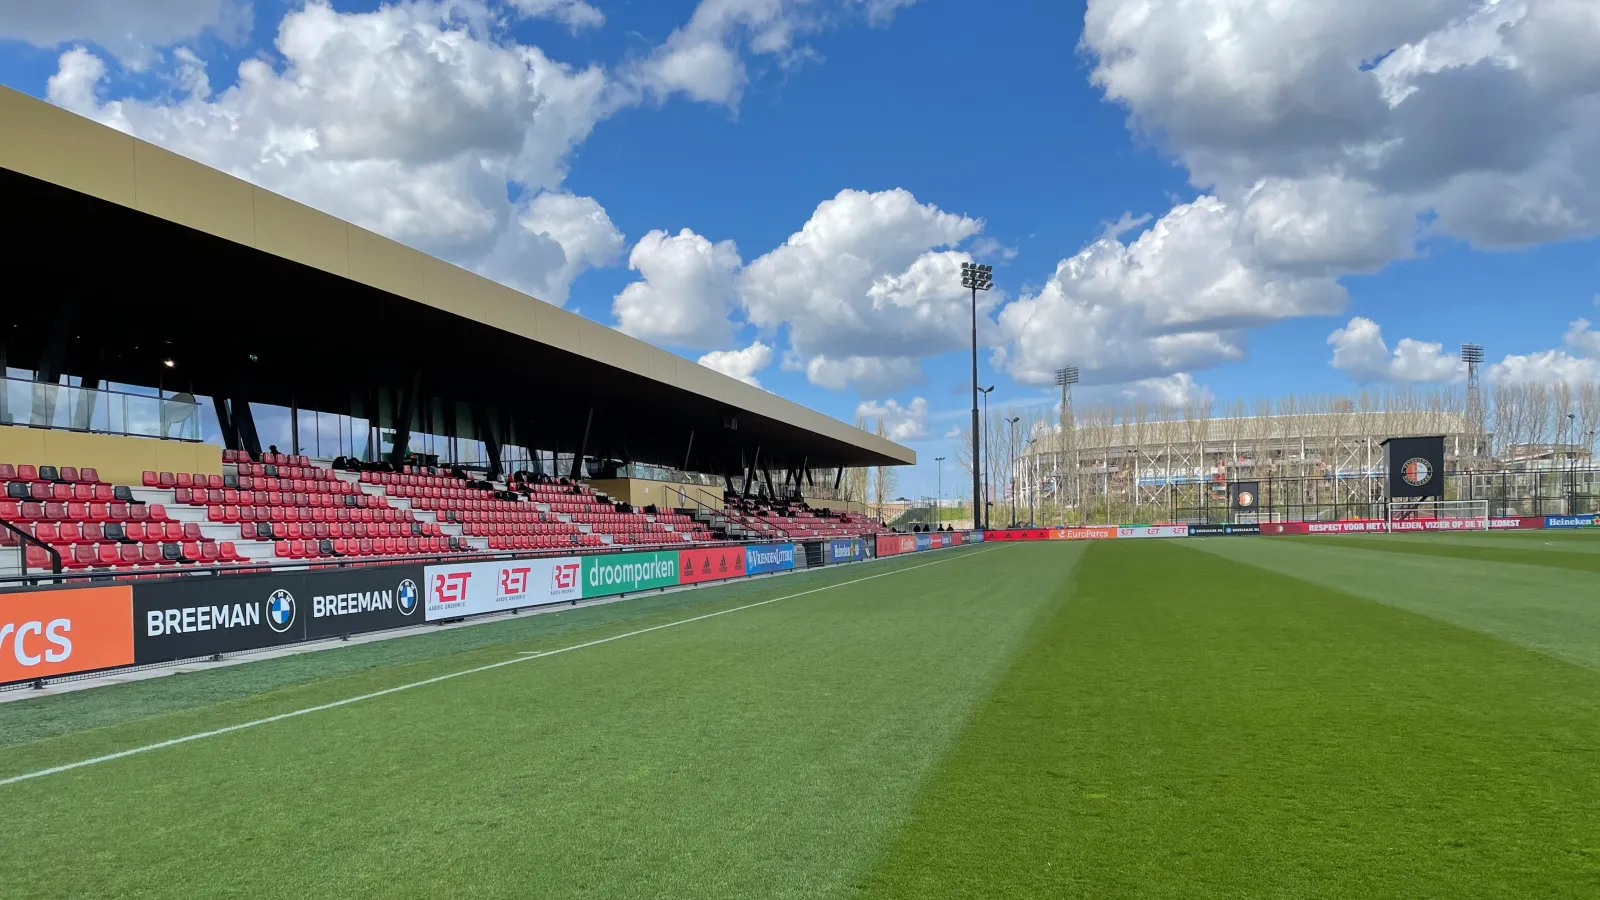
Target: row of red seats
<point>487,530</point>
<point>231,514</point>
<point>31,511</point>
<point>463,516</point>
<point>66,533</point>
<point>44,490</point>
<point>66,474</point>
<point>269,531</point>
<point>571,508</point>
<point>133,532</point>
<point>228,497</point>
<point>312,549</point>
<point>606,518</point>
<point>392,479</point>
<point>534,542</point>
<point>305,485</point>
<point>499,506</point>
<point>128,556</point>
<point>277,459</point>
<point>310,473</point>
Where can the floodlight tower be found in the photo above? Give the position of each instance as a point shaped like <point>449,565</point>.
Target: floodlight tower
<point>1472,355</point>
<point>1066,377</point>
<point>976,278</point>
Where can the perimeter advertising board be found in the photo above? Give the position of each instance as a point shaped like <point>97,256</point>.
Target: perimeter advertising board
<point>202,616</point>
<point>1223,530</point>
<point>924,541</point>
<point>761,558</point>
<point>896,544</point>
<point>845,551</point>
<point>469,589</point>
<point>1583,521</point>
<point>49,633</point>
<point>1125,532</point>
<point>714,564</point>
<point>1378,526</point>
<point>625,573</point>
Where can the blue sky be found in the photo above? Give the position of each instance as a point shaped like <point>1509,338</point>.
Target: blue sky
<point>1394,177</point>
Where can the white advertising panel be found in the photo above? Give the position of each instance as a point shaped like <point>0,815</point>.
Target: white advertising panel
<point>1153,531</point>
<point>470,589</point>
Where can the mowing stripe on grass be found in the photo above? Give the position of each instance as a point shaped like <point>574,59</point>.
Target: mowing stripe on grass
<point>526,657</point>
<point>1186,726</point>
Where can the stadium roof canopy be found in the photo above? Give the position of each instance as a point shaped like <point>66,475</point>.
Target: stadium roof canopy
<point>145,255</point>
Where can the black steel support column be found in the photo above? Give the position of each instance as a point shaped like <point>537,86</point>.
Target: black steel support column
<point>583,447</point>
<point>402,420</point>
<point>230,433</point>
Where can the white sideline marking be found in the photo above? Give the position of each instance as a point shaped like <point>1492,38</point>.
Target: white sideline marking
<point>524,657</point>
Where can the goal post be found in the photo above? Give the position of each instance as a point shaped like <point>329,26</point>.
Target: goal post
<point>1437,515</point>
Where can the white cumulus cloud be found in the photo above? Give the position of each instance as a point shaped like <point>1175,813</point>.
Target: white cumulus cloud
<point>1359,350</point>
<point>131,30</point>
<point>687,291</point>
<point>900,423</point>
<point>740,364</point>
<point>1177,298</point>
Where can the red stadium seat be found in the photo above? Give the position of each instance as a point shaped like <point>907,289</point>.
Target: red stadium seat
<point>150,554</point>
<point>90,476</point>
<point>68,474</point>
<point>27,473</point>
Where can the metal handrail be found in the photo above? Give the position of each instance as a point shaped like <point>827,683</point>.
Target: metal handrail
<point>26,539</point>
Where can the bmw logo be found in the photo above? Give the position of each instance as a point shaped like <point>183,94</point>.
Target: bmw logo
<point>280,611</point>
<point>408,597</point>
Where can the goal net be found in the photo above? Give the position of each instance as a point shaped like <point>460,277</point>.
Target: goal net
<point>1438,515</point>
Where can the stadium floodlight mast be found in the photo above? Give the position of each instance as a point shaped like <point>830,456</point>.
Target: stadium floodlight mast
<point>1066,377</point>
<point>976,278</point>
<point>986,392</point>
<point>938,503</point>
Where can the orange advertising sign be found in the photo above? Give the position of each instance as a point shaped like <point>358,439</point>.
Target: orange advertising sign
<point>49,633</point>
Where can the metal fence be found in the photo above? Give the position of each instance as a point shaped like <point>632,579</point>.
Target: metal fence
<point>1570,491</point>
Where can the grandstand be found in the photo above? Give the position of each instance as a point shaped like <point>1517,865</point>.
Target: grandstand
<point>467,419</point>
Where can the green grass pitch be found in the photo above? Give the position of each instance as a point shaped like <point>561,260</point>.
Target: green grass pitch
<point>1352,717</point>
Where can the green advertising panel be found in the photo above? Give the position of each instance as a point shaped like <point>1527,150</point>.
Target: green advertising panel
<point>624,573</point>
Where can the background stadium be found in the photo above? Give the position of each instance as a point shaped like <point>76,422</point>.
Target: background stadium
<point>537,609</point>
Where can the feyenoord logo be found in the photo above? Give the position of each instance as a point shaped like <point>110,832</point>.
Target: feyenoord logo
<point>406,597</point>
<point>1246,499</point>
<point>280,611</point>
<point>1417,471</point>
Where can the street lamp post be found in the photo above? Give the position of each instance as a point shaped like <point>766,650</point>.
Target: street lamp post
<point>1572,465</point>
<point>938,503</point>
<point>1011,466</point>
<point>976,278</point>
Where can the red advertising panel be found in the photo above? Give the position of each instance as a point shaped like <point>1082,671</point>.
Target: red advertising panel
<point>1378,526</point>
<point>49,633</point>
<point>1072,533</point>
<point>697,566</point>
<point>896,544</point>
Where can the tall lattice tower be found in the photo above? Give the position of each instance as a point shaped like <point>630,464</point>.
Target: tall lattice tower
<point>1067,489</point>
<point>1477,452</point>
